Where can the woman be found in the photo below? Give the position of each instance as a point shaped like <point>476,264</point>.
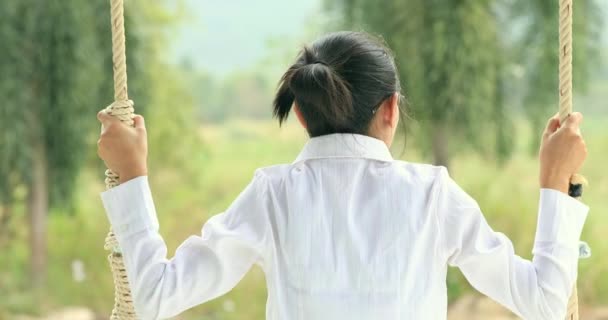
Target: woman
<point>346,231</point>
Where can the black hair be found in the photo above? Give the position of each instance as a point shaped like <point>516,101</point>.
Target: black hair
<point>338,82</point>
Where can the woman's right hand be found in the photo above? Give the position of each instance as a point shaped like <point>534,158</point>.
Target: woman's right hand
<point>562,152</point>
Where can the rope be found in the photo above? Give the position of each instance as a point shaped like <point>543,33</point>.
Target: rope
<point>122,108</point>
<point>565,59</point>
<point>565,108</point>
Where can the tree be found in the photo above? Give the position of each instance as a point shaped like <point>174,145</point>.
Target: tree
<point>453,58</point>
<point>448,54</point>
<point>55,73</point>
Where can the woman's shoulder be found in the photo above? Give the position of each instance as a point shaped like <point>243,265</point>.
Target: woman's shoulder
<point>272,173</point>
<point>420,172</point>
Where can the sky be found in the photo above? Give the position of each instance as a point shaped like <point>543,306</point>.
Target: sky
<point>224,36</point>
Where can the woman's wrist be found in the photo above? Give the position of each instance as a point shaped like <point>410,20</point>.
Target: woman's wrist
<point>126,176</point>
<point>559,184</point>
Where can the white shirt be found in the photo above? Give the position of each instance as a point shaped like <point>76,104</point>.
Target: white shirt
<point>346,232</point>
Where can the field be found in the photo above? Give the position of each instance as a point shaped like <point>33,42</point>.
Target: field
<point>507,194</point>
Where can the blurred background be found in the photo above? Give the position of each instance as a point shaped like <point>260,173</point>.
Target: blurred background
<point>480,77</point>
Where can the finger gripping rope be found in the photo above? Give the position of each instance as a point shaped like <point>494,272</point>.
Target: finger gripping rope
<point>122,108</point>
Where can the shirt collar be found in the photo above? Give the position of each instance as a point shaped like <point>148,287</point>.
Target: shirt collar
<point>345,145</point>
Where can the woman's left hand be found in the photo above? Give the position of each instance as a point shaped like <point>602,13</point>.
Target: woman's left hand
<point>124,149</point>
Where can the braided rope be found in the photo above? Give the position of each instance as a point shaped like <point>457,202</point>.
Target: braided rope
<point>565,59</point>
<point>122,108</point>
<point>565,106</point>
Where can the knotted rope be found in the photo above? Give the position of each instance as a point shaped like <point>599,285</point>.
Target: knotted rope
<point>565,108</point>
<point>122,108</point>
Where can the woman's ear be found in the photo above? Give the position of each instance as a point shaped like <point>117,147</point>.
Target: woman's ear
<point>296,109</point>
<point>390,112</point>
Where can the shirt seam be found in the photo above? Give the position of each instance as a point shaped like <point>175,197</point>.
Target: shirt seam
<point>264,249</point>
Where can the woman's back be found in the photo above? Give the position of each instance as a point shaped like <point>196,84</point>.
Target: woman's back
<point>353,234</point>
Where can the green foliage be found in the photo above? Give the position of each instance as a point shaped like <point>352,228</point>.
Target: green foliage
<point>535,48</point>
<point>56,59</point>
<point>450,62</point>
<point>58,66</point>
<point>455,57</point>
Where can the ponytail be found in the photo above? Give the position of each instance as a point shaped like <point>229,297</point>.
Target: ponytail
<point>319,91</point>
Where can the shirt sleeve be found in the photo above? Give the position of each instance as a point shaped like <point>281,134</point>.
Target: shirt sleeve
<point>537,289</point>
<point>204,267</point>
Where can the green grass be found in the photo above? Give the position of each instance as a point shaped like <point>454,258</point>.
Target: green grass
<point>507,195</point>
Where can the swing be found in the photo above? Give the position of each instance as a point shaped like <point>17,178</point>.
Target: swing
<point>122,108</point>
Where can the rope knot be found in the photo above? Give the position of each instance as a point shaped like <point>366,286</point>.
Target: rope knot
<point>123,110</point>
